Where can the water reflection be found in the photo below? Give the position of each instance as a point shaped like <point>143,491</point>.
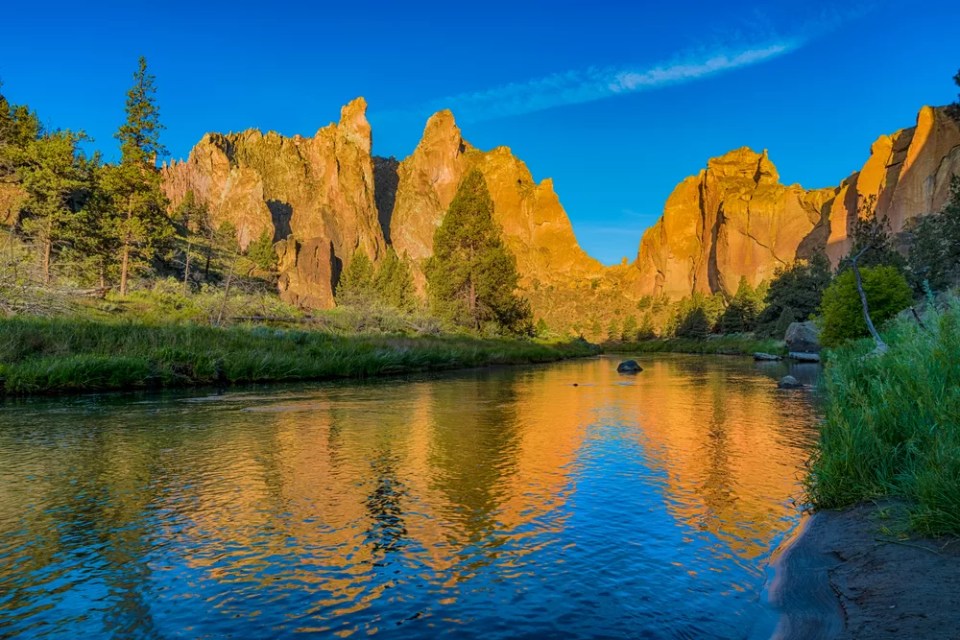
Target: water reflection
<point>505,503</point>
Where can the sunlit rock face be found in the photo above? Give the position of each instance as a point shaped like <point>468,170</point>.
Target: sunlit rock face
<point>315,196</point>
<point>322,198</point>
<point>535,226</point>
<point>734,219</point>
<point>907,175</point>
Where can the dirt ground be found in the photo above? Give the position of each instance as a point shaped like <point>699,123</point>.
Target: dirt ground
<point>849,574</point>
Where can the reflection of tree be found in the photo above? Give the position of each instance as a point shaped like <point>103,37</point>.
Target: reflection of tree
<point>387,528</point>
<point>717,485</point>
<point>91,515</point>
<point>475,449</point>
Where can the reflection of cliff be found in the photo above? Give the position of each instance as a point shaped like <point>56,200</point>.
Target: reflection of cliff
<point>728,442</point>
<point>342,497</point>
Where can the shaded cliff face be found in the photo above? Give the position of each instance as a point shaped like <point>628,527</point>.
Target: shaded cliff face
<point>535,226</point>
<point>314,196</point>
<point>734,219</point>
<point>907,175</point>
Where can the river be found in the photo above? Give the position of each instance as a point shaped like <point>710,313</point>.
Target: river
<point>561,500</point>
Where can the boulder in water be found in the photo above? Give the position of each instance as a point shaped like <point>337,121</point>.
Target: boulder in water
<point>800,356</point>
<point>789,382</point>
<point>766,357</point>
<point>629,366</point>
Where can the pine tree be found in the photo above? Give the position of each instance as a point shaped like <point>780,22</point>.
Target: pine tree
<point>629,332</point>
<point>472,277</point>
<point>57,182</point>
<point>613,330</point>
<point>742,311</point>
<point>953,110</point>
<point>394,283</point>
<point>262,253</point>
<point>355,287</point>
<point>139,223</point>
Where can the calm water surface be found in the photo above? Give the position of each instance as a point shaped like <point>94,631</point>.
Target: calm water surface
<point>489,504</point>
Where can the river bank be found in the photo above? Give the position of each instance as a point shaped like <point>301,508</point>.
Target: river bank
<point>64,355</point>
<point>724,345</point>
<point>850,574</point>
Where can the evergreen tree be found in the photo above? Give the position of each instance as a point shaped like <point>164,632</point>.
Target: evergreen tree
<point>57,181</point>
<point>874,235</point>
<point>629,332</point>
<point>394,283</point>
<point>693,324</point>
<point>262,253</point>
<point>542,330</point>
<point>613,330</point>
<point>472,277</point>
<point>953,110</point>
<point>795,292</point>
<point>195,233</point>
<point>741,314</point>
<point>646,331</point>
<point>355,287</point>
<point>139,222</point>
<point>934,257</point>
<point>19,126</point>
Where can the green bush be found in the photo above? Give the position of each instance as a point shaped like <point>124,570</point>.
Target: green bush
<point>887,294</point>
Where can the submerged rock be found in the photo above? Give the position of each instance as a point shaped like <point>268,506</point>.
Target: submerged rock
<point>759,355</point>
<point>629,366</point>
<point>789,382</point>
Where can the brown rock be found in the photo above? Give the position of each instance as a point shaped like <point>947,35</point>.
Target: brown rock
<point>907,175</point>
<point>535,226</point>
<point>315,193</point>
<point>734,219</point>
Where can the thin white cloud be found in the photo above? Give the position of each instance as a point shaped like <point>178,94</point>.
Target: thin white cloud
<point>589,85</point>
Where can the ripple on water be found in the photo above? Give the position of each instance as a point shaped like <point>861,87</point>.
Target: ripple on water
<point>487,504</point>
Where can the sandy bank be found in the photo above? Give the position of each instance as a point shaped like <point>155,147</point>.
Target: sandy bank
<point>847,574</point>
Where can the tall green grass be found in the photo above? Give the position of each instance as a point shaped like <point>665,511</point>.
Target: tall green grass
<point>44,355</point>
<point>892,423</point>
<point>734,344</point>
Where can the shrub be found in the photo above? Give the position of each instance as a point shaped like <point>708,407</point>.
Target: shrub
<point>887,293</point>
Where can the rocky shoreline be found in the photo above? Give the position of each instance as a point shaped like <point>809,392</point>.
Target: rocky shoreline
<point>848,574</point>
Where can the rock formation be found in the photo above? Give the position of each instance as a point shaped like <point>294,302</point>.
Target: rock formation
<point>322,198</point>
<point>315,196</point>
<point>734,219</point>
<point>535,226</point>
<point>907,175</point>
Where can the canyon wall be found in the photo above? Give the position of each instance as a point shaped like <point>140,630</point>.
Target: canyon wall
<point>314,196</point>
<point>323,198</point>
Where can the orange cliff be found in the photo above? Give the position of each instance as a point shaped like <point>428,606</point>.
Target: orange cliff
<point>535,226</point>
<point>314,196</point>
<point>323,198</point>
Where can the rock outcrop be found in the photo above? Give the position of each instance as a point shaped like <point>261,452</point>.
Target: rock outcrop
<point>324,197</point>
<point>907,175</point>
<point>734,219</point>
<point>535,226</point>
<point>315,196</point>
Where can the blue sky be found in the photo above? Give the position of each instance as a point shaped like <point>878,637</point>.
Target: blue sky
<point>617,101</point>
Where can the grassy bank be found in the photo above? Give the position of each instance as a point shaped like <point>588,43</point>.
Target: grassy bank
<point>719,345</point>
<point>892,424</point>
<point>40,355</point>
